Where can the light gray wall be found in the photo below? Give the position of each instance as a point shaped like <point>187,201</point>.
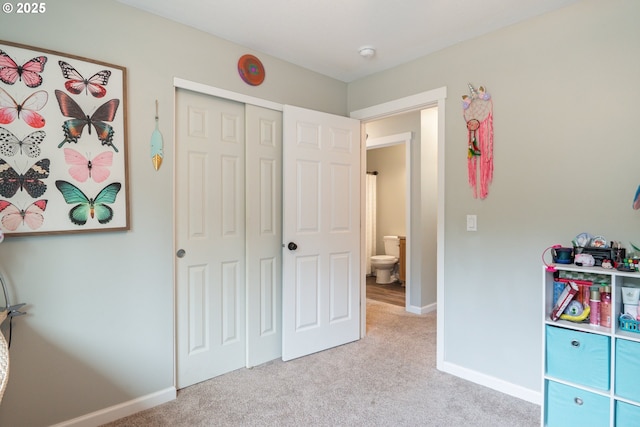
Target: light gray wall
<point>565,92</point>
<point>100,326</point>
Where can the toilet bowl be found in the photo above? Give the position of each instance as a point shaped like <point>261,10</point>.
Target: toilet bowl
<point>385,264</point>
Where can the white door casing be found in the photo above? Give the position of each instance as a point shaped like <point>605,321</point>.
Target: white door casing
<point>321,217</point>
<point>210,229</point>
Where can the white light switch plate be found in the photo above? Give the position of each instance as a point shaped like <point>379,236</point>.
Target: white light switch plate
<point>472,223</point>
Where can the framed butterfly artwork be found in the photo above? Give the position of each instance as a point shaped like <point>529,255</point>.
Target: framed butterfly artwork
<point>63,143</point>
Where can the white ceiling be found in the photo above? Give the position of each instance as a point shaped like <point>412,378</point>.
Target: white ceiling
<point>326,35</point>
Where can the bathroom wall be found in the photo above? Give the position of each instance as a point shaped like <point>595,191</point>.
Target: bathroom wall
<point>391,191</point>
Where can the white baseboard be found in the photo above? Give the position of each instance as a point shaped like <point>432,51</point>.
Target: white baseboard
<point>493,383</point>
<point>422,310</point>
<point>122,410</point>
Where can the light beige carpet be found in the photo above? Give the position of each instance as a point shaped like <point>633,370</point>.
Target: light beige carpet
<point>387,378</point>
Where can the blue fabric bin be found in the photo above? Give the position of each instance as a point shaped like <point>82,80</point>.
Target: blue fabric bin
<point>578,357</point>
<point>568,406</point>
<point>628,370</point>
<point>627,415</point>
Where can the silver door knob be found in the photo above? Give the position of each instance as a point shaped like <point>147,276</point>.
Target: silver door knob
<point>181,253</point>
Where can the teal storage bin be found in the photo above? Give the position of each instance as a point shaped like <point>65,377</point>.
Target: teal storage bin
<point>578,357</point>
<point>628,370</point>
<point>568,406</point>
<point>627,415</point>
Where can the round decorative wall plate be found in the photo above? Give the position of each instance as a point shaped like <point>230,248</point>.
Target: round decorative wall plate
<point>251,70</point>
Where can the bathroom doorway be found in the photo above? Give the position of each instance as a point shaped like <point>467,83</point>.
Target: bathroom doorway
<point>414,136</point>
<point>387,205</point>
<point>427,235</point>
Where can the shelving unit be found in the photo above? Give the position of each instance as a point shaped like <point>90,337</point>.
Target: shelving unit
<point>591,374</point>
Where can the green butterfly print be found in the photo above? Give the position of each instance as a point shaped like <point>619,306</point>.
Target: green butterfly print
<point>87,207</point>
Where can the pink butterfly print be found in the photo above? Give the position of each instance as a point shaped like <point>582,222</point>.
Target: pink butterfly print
<point>29,72</point>
<point>82,168</point>
<point>77,84</point>
<point>12,217</point>
<point>27,110</point>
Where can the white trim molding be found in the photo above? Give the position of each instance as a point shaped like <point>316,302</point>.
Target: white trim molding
<point>422,310</point>
<point>386,141</point>
<point>398,106</point>
<point>493,383</point>
<point>122,410</point>
<point>226,94</point>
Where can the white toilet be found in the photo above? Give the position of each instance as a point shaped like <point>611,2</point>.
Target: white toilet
<point>384,264</point>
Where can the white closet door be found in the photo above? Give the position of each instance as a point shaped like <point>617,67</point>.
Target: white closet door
<point>210,236</point>
<point>321,231</point>
<point>264,234</point>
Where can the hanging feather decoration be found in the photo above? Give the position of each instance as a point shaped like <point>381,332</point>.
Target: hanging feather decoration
<point>156,144</point>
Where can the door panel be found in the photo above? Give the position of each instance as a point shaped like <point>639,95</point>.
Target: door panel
<point>321,199</point>
<point>264,234</point>
<point>211,314</point>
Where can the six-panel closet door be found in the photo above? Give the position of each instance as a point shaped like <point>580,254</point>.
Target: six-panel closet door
<point>228,216</point>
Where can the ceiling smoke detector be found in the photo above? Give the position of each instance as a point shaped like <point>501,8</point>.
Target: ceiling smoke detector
<point>367,52</point>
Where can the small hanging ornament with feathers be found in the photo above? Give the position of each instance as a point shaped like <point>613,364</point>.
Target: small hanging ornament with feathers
<point>478,113</point>
<point>156,144</point>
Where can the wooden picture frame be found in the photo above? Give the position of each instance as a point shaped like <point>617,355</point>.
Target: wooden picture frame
<point>63,143</point>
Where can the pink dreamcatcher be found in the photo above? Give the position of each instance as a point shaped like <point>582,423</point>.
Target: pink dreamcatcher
<point>478,113</point>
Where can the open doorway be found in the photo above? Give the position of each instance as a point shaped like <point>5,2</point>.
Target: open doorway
<point>429,150</point>
<point>388,207</point>
<point>425,227</point>
<point>417,130</point>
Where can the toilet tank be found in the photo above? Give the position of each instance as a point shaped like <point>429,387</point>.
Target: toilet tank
<point>392,246</point>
